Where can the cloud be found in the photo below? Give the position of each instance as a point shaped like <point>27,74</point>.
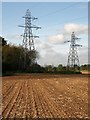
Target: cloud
<point>66,32</point>
<point>55,39</point>
<point>78,28</point>
<point>42,45</point>
<point>83,58</point>
<point>17,37</point>
<point>14,37</point>
<point>52,57</point>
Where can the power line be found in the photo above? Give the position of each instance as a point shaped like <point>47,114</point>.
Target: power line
<point>74,19</point>
<point>60,10</point>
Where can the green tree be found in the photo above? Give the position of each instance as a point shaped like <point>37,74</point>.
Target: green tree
<point>10,58</point>
<point>60,67</point>
<point>49,68</point>
<point>85,67</point>
<point>2,41</point>
<point>17,58</point>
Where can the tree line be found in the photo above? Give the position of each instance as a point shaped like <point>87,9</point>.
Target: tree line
<point>18,59</point>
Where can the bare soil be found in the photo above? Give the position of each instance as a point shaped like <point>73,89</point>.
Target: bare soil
<point>45,96</point>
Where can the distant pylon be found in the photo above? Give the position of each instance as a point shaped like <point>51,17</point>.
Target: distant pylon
<point>28,37</point>
<point>73,59</point>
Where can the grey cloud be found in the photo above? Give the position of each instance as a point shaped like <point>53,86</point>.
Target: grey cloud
<point>53,58</point>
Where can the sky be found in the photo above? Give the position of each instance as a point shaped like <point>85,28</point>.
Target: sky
<point>57,20</point>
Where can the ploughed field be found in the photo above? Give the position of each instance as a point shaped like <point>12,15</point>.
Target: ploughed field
<point>45,96</point>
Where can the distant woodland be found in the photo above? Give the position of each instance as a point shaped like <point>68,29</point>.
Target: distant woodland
<point>16,59</point>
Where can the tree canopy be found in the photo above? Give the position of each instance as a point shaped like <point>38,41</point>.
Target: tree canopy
<point>17,58</point>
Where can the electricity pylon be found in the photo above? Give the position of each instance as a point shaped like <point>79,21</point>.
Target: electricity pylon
<point>73,59</point>
<point>28,37</point>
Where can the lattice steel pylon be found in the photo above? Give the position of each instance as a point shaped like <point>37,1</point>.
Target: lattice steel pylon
<point>73,59</point>
<point>28,37</point>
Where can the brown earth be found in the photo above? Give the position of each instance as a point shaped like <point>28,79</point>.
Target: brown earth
<point>45,96</point>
